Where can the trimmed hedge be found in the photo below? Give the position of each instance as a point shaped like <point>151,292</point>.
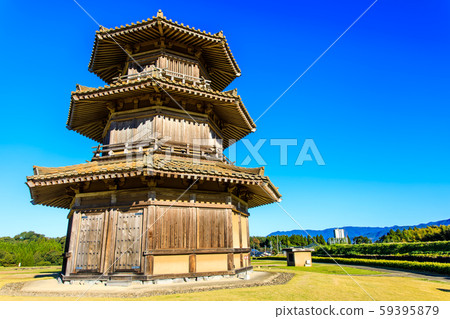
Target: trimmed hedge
<point>435,248</point>
<point>414,257</point>
<point>440,268</point>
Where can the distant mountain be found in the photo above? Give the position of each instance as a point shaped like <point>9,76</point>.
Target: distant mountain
<point>353,231</point>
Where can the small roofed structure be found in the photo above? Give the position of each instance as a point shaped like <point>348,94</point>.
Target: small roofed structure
<point>299,257</point>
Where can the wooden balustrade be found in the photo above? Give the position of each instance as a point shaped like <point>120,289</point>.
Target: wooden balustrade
<point>156,72</point>
<point>110,151</point>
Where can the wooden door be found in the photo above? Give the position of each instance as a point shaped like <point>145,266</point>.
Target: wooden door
<point>128,241</point>
<point>90,239</point>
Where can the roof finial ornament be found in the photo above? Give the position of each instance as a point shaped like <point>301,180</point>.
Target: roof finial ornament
<point>220,33</point>
<point>160,14</point>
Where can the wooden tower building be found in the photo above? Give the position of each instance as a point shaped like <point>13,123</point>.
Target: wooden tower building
<point>158,199</point>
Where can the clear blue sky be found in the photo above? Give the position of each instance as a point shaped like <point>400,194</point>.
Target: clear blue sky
<point>376,105</point>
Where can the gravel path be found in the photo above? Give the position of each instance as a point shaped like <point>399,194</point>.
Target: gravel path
<point>51,288</point>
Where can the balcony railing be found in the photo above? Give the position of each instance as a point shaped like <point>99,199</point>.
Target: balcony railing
<point>155,72</point>
<point>139,148</point>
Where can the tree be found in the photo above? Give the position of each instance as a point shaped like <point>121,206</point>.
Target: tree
<point>322,240</point>
<point>361,240</point>
<point>28,235</point>
<point>255,243</point>
<point>31,249</point>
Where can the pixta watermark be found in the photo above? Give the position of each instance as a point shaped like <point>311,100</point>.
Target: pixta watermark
<point>284,151</point>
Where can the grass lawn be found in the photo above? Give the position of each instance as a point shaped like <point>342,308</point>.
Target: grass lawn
<point>320,282</point>
<point>318,268</point>
<point>14,274</point>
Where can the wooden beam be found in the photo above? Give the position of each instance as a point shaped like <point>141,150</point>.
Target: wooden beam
<point>160,252</point>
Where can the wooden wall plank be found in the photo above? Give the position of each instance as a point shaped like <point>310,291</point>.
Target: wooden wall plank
<point>240,231</point>
<point>70,268</point>
<point>229,228</point>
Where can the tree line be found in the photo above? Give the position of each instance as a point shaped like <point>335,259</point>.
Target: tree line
<point>430,233</point>
<point>31,249</point>
<point>276,243</point>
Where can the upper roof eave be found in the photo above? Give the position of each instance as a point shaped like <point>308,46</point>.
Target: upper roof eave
<point>122,31</point>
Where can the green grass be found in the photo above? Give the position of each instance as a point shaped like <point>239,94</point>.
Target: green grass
<point>15,274</point>
<point>319,282</point>
<point>325,282</point>
<point>316,268</point>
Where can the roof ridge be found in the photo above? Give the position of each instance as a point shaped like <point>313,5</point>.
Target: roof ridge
<point>160,17</point>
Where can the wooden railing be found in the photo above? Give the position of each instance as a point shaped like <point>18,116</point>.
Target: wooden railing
<point>156,72</point>
<point>110,151</point>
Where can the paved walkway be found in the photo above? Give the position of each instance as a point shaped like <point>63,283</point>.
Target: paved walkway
<point>395,272</point>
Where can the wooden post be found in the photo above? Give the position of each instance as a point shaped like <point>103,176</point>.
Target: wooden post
<point>110,242</point>
<point>192,264</point>
<point>149,265</point>
<point>229,228</point>
<point>144,237</point>
<point>240,230</point>
<point>104,239</point>
<point>230,261</point>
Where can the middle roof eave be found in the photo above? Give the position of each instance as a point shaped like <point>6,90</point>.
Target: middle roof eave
<point>88,107</point>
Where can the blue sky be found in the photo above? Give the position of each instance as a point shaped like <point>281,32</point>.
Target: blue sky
<point>376,105</point>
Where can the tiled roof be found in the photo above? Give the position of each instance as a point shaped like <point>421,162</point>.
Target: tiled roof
<point>106,53</point>
<point>48,184</point>
<point>155,163</point>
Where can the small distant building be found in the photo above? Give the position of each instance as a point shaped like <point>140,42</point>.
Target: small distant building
<point>339,233</point>
<point>339,237</point>
<point>298,257</point>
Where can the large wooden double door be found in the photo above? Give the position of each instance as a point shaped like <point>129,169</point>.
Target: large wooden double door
<point>119,232</point>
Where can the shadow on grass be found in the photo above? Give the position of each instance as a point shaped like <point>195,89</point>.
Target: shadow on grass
<point>444,290</point>
<point>48,275</point>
